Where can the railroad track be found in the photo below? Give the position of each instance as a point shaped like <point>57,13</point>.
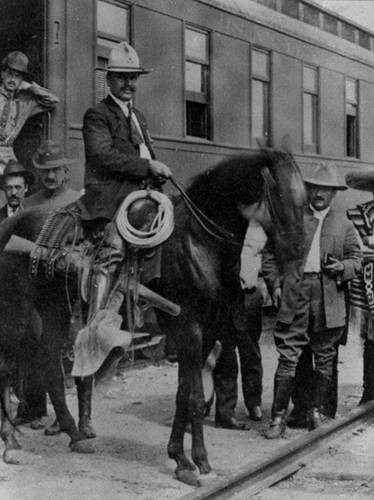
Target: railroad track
<point>287,460</point>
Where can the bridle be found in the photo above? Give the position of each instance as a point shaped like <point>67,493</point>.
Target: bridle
<point>218,232</point>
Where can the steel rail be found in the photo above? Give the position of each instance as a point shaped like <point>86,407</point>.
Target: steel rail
<point>284,462</point>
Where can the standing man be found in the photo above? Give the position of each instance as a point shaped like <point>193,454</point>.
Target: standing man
<point>317,315</point>
<point>361,295</point>
<point>19,100</point>
<point>53,171</point>
<point>119,160</point>
<point>15,183</point>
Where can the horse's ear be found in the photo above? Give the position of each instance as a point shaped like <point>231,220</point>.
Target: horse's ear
<point>286,145</point>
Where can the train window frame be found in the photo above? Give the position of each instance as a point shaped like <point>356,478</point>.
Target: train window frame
<point>104,43</point>
<point>310,109</point>
<point>260,81</point>
<point>197,101</point>
<point>352,145</point>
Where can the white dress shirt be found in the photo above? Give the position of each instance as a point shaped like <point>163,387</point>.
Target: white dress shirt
<point>143,149</point>
<point>313,261</point>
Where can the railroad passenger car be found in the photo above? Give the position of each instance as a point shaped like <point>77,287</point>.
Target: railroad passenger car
<point>228,75</point>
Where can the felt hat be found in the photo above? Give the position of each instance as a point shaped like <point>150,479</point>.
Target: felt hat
<point>124,59</point>
<point>17,61</point>
<point>50,155</point>
<point>326,175</point>
<point>14,168</point>
<point>361,179</point>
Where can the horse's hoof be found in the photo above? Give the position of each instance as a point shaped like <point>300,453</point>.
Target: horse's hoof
<point>206,479</point>
<point>36,424</point>
<point>87,431</point>
<point>186,476</point>
<point>12,457</point>
<point>82,446</point>
<point>53,430</point>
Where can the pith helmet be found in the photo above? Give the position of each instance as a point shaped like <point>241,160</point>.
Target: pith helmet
<point>16,60</point>
<point>50,155</point>
<point>361,179</point>
<point>326,175</point>
<point>124,59</point>
<point>14,168</point>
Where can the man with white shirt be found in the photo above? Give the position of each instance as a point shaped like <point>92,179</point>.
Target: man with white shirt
<point>316,315</point>
<point>119,160</point>
<point>15,183</point>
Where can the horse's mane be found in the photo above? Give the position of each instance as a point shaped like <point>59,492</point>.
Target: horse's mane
<point>234,180</point>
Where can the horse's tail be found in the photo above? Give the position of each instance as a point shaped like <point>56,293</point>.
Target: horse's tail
<point>7,228</point>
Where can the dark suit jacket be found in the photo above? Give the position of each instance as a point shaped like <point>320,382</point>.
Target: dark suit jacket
<point>339,239</point>
<point>113,166</point>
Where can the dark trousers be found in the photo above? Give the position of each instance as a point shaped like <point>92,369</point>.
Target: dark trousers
<point>242,331</point>
<point>307,328</point>
<point>302,393</point>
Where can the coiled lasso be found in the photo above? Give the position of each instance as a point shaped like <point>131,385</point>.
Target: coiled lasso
<point>162,225</point>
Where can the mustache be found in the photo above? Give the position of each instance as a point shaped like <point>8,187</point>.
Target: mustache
<point>129,87</point>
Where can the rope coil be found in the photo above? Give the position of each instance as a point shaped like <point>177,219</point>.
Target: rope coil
<point>162,225</point>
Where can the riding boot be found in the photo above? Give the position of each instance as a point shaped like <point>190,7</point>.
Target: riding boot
<point>106,267</point>
<point>100,286</point>
<point>368,382</point>
<point>321,386</point>
<point>283,388</point>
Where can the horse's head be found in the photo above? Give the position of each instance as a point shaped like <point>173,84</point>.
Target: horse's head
<point>284,200</point>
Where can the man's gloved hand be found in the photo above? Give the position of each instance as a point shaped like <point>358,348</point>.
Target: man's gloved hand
<point>159,169</point>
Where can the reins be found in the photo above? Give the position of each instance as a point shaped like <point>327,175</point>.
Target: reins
<point>218,232</point>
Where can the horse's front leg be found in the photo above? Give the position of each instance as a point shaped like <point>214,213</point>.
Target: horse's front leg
<point>7,425</point>
<point>56,390</point>
<point>197,412</point>
<point>84,392</point>
<point>185,469</point>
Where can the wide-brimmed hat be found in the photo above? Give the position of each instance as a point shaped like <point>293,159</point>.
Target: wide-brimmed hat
<point>16,60</point>
<point>361,179</point>
<point>124,59</point>
<point>50,155</point>
<point>14,168</point>
<point>326,175</point>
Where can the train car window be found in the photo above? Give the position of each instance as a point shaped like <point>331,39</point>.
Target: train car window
<point>260,97</point>
<point>112,26</point>
<point>272,4</point>
<point>112,19</point>
<point>290,8</point>
<point>197,83</point>
<point>330,24</point>
<point>351,118</point>
<point>310,109</point>
<point>311,15</point>
<point>348,32</point>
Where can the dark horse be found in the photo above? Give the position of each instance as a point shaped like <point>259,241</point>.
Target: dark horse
<point>200,272</point>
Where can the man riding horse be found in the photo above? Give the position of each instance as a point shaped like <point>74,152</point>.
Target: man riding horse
<point>119,160</point>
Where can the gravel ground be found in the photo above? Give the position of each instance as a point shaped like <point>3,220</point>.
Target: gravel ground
<point>132,418</point>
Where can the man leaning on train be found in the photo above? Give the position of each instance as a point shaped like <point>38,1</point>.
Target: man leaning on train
<point>19,100</point>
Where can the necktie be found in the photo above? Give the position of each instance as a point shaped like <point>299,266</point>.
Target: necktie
<point>4,118</point>
<point>135,135</point>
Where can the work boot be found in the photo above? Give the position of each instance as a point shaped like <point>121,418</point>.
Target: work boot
<point>368,382</point>
<point>255,413</point>
<point>321,386</point>
<point>297,419</point>
<point>282,393</point>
